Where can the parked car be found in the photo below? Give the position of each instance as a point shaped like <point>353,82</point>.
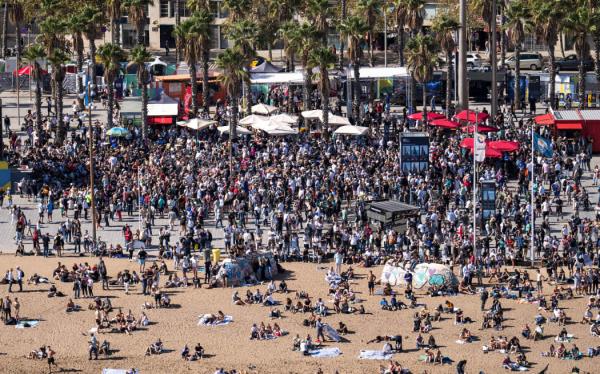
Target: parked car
<point>474,60</point>
<point>532,61</point>
<point>571,62</point>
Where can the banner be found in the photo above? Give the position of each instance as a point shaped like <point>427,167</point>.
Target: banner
<point>542,145</point>
<point>479,149</point>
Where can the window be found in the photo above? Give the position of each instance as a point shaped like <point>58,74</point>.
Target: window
<point>218,9</point>
<point>164,8</point>
<point>224,43</point>
<point>214,37</point>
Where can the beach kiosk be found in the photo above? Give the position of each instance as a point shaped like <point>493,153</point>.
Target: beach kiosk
<point>392,214</point>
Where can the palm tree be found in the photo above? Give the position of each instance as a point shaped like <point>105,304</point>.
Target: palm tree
<point>233,64</point>
<point>546,18</point>
<point>202,20</point>
<point>244,35</point>
<point>16,16</point>
<point>93,18</point>
<point>308,37</point>
<point>57,59</point>
<point>111,56</point>
<point>371,9</point>
<point>136,13</point>
<point>291,36</point>
<point>32,55</point>
<point>114,8</point>
<point>75,25</point>
<point>322,57</point>
<point>186,36</point>
<point>444,27</point>
<point>580,22</point>
<point>4,27</point>
<point>319,11</point>
<point>52,36</point>
<point>138,57</point>
<point>353,29</point>
<point>422,60</point>
<point>343,15</point>
<point>237,8</point>
<point>518,21</point>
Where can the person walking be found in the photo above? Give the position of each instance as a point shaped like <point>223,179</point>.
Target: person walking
<point>93,349</point>
<point>103,274</point>
<point>320,326</point>
<point>51,358</point>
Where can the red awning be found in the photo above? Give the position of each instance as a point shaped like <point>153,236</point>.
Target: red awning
<point>430,116</point>
<point>444,123</point>
<point>545,119</point>
<point>569,126</point>
<point>160,120</point>
<point>471,116</point>
<point>481,129</point>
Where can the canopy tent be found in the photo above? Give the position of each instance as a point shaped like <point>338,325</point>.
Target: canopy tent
<point>196,123</point>
<point>264,109</point>
<point>28,70</point>
<point>545,119</point>
<point>418,116</point>
<point>335,120</point>
<point>278,129</point>
<point>380,72</point>
<point>253,119</point>
<point>274,78</point>
<point>444,123</point>
<point>265,67</point>
<point>164,106</point>
<point>481,129</point>
<point>239,130</point>
<point>352,130</point>
<point>311,114</point>
<point>285,118</point>
<point>498,145</point>
<point>471,117</point>
<point>423,275</point>
<point>157,61</point>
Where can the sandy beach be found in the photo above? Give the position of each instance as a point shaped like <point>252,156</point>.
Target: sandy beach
<point>229,346</point>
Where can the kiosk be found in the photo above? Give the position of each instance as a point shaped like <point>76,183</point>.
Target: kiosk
<point>391,214</point>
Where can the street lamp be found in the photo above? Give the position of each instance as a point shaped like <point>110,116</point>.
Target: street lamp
<point>90,88</point>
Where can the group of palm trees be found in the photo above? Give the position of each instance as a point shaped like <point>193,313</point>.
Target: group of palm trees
<point>302,26</point>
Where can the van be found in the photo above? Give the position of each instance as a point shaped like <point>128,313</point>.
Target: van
<point>527,60</point>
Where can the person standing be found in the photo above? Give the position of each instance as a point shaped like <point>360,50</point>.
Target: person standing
<point>484,296</point>
<point>103,274</point>
<point>339,259</point>
<point>93,349</point>
<point>320,326</point>
<point>6,308</point>
<point>77,287</point>
<point>17,308</point>
<point>51,358</point>
<point>6,124</point>
<point>10,278</point>
<point>46,244</point>
<point>207,265</point>
<point>538,281</point>
<point>371,283</point>
<point>19,275</point>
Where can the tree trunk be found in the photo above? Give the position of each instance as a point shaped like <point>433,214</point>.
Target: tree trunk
<point>38,99</point>
<point>325,102</point>
<point>581,90</point>
<point>177,23</point>
<point>597,50</point>
<point>80,59</point>
<point>344,4</point>
<point>306,88</point>
<point>111,103</point>
<point>288,62</point>
<point>4,28</point>
<point>140,31</point>
<point>205,87</point>
<point>449,75</point>
<point>194,83</point>
<point>562,45</point>
<point>232,128</point>
<point>62,126</point>
<point>401,44</point>
<point>114,33</point>
<point>270,51</point>
<point>370,48</point>
<point>248,99</point>
<point>356,101</point>
<point>424,105</point>
<point>552,71</point>
<point>502,38</point>
<point>517,76</point>
<point>290,100</point>
<point>413,93</point>
<point>144,111</point>
<point>92,47</point>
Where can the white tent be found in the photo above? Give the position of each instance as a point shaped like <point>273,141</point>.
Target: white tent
<point>312,114</point>
<point>352,130</point>
<point>336,120</point>
<point>285,118</point>
<point>253,119</point>
<point>163,107</point>
<point>264,109</point>
<point>239,130</point>
<point>196,123</point>
<point>278,129</point>
<point>381,72</point>
<point>275,78</point>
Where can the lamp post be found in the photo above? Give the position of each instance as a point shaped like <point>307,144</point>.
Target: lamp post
<point>92,168</point>
<point>493,61</point>
<point>463,85</point>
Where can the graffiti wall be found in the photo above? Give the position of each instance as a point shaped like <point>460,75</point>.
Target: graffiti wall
<point>424,275</point>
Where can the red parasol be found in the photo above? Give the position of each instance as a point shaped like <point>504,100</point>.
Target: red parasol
<point>469,116</point>
<point>480,128</point>
<point>445,123</point>
<point>430,116</point>
<point>491,153</point>
<point>545,119</point>
<point>504,145</point>
<point>28,70</point>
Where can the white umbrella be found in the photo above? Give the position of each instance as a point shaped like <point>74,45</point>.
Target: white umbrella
<point>239,130</point>
<point>285,118</point>
<point>311,114</point>
<point>253,119</point>
<point>278,129</point>
<point>352,130</point>
<point>264,109</point>
<point>196,123</point>
<point>335,120</point>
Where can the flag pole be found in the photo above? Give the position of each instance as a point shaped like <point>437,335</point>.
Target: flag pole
<point>475,252</point>
<point>532,253</point>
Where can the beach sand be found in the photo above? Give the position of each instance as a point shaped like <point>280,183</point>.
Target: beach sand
<point>229,346</point>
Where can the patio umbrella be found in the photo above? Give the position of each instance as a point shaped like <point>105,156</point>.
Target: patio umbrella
<point>545,119</point>
<point>491,153</point>
<point>335,120</point>
<point>28,70</point>
<point>239,130</point>
<point>430,116</point>
<point>253,119</point>
<point>286,118</point>
<point>278,129</point>
<point>352,130</point>
<point>264,109</point>
<point>469,116</point>
<point>504,145</point>
<point>196,123</point>
<point>117,132</point>
<point>312,114</point>
<point>444,123</point>
<point>481,128</point>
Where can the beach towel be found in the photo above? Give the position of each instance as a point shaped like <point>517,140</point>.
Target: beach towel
<point>445,360</point>
<point>375,355</point>
<point>514,367</point>
<point>25,324</point>
<point>568,339</point>
<point>120,371</point>
<point>331,333</point>
<point>461,342</point>
<point>325,352</point>
<point>204,318</point>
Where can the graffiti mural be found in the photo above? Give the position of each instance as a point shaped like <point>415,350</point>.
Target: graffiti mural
<point>424,274</point>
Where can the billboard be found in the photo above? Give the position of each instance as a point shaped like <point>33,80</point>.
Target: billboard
<point>488,199</point>
<point>414,152</point>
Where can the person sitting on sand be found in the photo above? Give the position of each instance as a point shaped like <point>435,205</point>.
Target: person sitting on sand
<point>465,335</point>
<point>283,287</point>
<point>277,330</point>
<point>104,349</point>
<point>296,343</point>
<point>420,341</point>
<point>155,348</point>
<point>198,351</point>
<point>561,352</point>
<point>72,307</point>
<point>438,359</point>
<point>185,353</point>
<point>587,316</point>
<point>236,299</point>
<point>430,356</point>
<point>342,329</point>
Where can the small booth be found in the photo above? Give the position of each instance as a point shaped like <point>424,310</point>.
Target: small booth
<point>391,214</point>
<point>161,111</point>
